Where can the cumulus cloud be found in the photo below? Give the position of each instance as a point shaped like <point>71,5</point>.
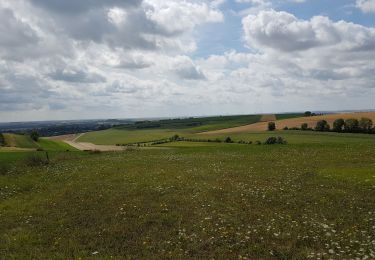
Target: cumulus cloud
<point>284,32</point>
<point>186,69</point>
<point>366,6</point>
<point>75,59</point>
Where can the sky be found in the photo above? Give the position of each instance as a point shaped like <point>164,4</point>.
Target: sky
<point>168,58</point>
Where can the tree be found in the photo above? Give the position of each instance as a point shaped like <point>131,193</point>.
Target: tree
<point>365,124</point>
<point>271,126</point>
<point>34,135</point>
<point>351,125</point>
<point>322,126</point>
<point>304,126</point>
<point>338,125</point>
<point>308,113</point>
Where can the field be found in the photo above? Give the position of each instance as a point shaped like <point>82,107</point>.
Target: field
<point>312,198</point>
<point>294,122</point>
<point>22,141</point>
<point>118,136</point>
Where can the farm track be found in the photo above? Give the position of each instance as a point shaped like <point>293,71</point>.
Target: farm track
<point>83,146</point>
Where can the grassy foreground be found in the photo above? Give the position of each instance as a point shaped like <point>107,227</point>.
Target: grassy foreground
<point>207,201</point>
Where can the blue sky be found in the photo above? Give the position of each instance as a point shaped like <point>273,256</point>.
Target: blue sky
<point>216,39</point>
<point>167,58</point>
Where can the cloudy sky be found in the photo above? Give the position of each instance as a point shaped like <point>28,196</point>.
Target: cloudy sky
<point>148,58</point>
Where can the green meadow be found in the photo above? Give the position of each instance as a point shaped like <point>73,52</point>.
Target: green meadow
<point>312,198</point>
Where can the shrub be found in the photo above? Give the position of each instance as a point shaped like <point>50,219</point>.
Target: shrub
<point>2,140</point>
<point>271,126</point>
<point>4,169</point>
<point>365,124</point>
<point>351,125</point>
<point>304,127</point>
<point>258,142</point>
<point>228,140</point>
<point>322,126</point>
<point>34,135</point>
<point>275,140</point>
<point>36,160</point>
<point>286,128</point>
<point>338,125</point>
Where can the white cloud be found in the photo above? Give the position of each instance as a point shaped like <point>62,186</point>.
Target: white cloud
<point>284,32</point>
<point>366,6</point>
<point>71,59</point>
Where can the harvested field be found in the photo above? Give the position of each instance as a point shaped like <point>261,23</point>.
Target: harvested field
<point>268,118</point>
<point>293,122</point>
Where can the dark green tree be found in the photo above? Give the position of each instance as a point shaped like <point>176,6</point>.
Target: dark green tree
<point>34,135</point>
<point>271,126</point>
<point>351,125</point>
<point>365,124</point>
<point>322,126</point>
<point>308,113</point>
<point>338,125</point>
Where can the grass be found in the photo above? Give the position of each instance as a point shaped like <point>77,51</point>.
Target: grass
<point>54,145</point>
<point>299,137</point>
<point>216,201</point>
<point>289,115</point>
<point>195,123</point>
<point>21,141</point>
<point>117,136</point>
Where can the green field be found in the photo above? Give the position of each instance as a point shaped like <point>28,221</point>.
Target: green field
<point>22,141</point>
<point>54,145</point>
<point>217,201</point>
<point>312,198</point>
<point>117,136</point>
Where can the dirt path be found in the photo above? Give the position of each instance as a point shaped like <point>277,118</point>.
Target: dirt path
<point>92,147</point>
<point>72,141</point>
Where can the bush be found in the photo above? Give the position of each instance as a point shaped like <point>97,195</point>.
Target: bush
<point>304,127</point>
<point>34,135</point>
<point>2,140</point>
<point>228,140</point>
<point>338,125</point>
<point>286,128</point>
<point>36,160</point>
<point>275,140</point>
<point>322,126</point>
<point>4,169</point>
<point>271,126</point>
<point>365,124</point>
<point>258,142</point>
<point>351,125</point>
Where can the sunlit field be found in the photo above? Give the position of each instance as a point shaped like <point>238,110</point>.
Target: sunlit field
<point>194,200</point>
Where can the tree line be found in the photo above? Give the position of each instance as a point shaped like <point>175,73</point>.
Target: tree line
<point>351,125</point>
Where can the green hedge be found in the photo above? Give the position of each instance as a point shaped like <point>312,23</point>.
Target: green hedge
<point>2,141</point>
